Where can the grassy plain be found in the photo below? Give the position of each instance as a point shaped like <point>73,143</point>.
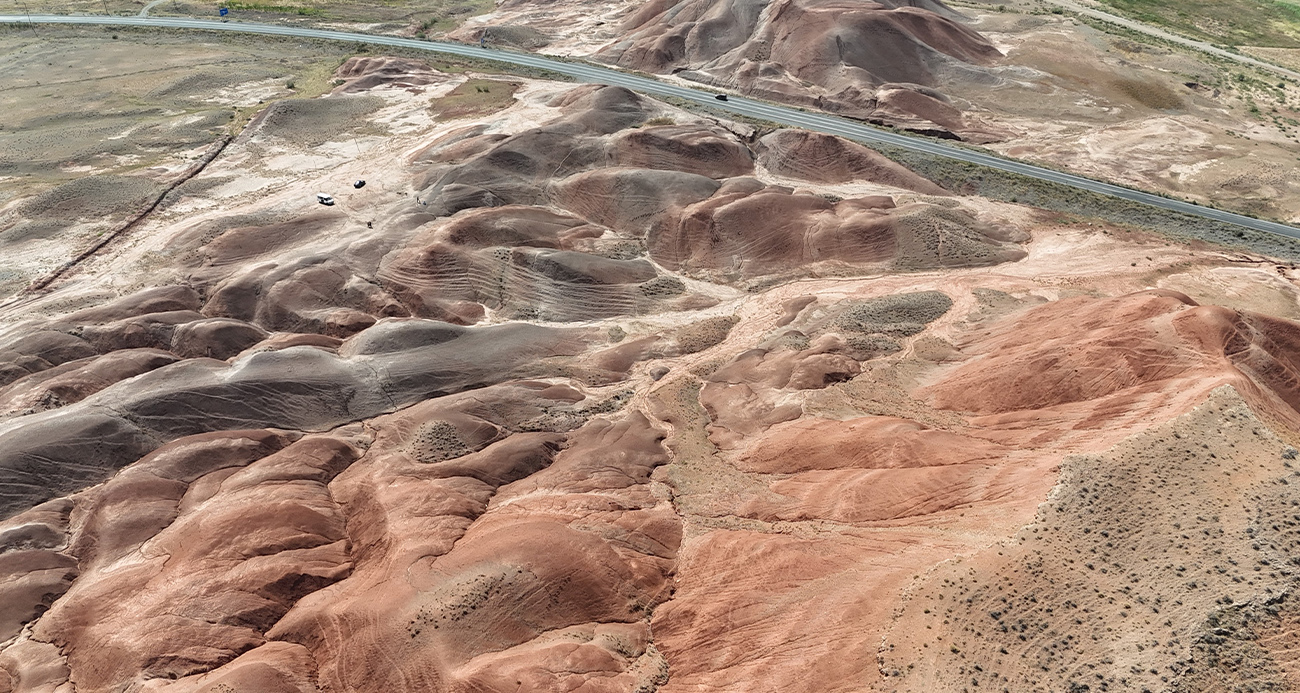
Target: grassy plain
<point>1271,23</point>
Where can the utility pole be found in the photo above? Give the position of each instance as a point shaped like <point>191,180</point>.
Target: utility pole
<point>30,23</point>
<point>105,7</point>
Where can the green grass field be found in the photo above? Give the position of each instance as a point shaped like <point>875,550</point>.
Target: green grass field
<point>1271,23</point>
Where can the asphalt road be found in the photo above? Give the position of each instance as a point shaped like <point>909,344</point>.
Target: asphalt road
<point>756,109</point>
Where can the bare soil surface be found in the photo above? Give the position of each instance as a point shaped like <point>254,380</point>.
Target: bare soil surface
<point>96,128</point>
<point>1013,76</point>
<point>582,391</point>
<point>1153,116</point>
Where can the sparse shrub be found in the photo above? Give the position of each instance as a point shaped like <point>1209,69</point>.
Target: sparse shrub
<point>706,333</point>
<point>1149,94</point>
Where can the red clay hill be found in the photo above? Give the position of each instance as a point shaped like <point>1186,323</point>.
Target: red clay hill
<point>613,398</point>
<point>881,61</point>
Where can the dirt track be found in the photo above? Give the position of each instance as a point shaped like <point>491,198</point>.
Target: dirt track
<point>213,152</point>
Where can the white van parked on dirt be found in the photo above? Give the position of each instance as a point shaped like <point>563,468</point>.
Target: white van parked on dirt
<point>324,199</point>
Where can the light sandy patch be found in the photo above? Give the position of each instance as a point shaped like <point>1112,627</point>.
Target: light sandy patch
<point>1262,290</point>
<point>250,94</point>
<point>576,29</point>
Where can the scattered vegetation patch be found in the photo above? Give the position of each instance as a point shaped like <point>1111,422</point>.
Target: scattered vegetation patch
<point>92,196</point>
<point>1158,566</point>
<point>445,15</point>
<point>663,286</point>
<point>313,122</point>
<point>515,35</point>
<point>902,314</point>
<point>1149,94</point>
<point>300,10</point>
<point>1227,652</point>
<point>476,97</point>
<point>701,335</point>
<point>33,229</point>
<point>931,236</point>
<point>437,441</point>
<point>1232,22</point>
<point>872,327</point>
<point>972,179</point>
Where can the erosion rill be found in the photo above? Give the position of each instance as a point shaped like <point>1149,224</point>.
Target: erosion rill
<point>584,391</point>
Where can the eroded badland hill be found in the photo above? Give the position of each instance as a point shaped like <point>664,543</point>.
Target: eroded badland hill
<point>583,391</point>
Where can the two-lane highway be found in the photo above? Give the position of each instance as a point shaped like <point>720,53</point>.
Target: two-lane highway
<point>756,109</point>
